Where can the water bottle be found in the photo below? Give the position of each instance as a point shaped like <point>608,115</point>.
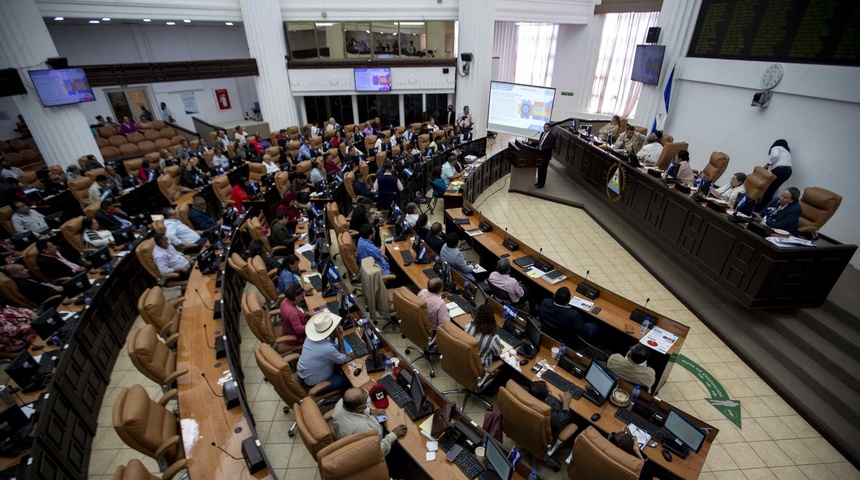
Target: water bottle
<point>635,393</point>
<point>645,325</point>
<point>561,350</point>
<point>533,475</point>
<point>389,367</point>
<point>54,340</point>
<point>87,299</point>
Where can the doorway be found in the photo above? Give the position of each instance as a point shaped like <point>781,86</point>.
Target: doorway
<point>130,102</point>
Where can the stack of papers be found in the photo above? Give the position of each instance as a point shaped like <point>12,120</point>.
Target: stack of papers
<point>478,268</point>
<point>454,310</point>
<point>659,339</point>
<point>472,232</point>
<point>641,436</point>
<point>581,304</point>
<point>308,247</point>
<point>790,242</point>
<point>533,272</point>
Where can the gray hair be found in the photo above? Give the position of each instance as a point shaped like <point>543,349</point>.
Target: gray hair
<point>503,266</point>
<point>651,138</point>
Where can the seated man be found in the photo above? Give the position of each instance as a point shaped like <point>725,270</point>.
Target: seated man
<point>220,162</point>
<point>449,170</point>
<point>92,234</point>
<point>437,311</point>
<point>255,249</point>
<point>783,212</point>
<point>318,173</point>
<point>179,234</point>
<point>34,290</point>
<point>455,257</point>
<point>293,318</point>
<point>633,367</point>
<point>26,219</point>
<point>323,353</point>
<point>114,181</point>
<point>289,274</point>
<point>55,263</point>
<point>651,151</point>
<point>111,217</point>
<point>360,188</point>
<point>412,213</point>
<point>434,238</point>
<point>560,414</point>
<point>281,234</point>
<point>564,318</point>
<point>352,415</point>
<point>168,260</point>
<point>98,188</point>
<point>199,215</point>
<point>502,280</point>
<point>628,140</point>
<point>91,163</point>
<point>366,248</point>
<point>361,214</point>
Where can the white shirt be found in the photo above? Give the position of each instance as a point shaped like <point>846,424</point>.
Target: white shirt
<point>32,222</point>
<point>779,157</point>
<point>240,137</point>
<point>448,171</point>
<point>331,126</point>
<point>220,161</point>
<point>167,113</point>
<point>11,172</point>
<point>729,193</point>
<point>271,167</point>
<point>412,219</point>
<point>651,152</point>
<point>224,141</point>
<point>179,233</point>
<point>168,259</point>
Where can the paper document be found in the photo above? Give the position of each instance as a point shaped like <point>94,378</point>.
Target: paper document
<point>478,269</point>
<point>307,278</point>
<point>641,436</point>
<point>659,339</point>
<point>456,312</point>
<point>308,247</point>
<point>472,232</point>
<point>790,242</point>
<point>581,304</point>
<point>534,272</point>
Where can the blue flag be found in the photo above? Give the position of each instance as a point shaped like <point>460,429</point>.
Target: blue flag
<point>515,457</point>
<point>509,312</point>
<point>333,274</point>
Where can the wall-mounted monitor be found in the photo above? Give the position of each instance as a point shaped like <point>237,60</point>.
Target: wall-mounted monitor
<point>648,63</point>
<point>10,83</point>
<point>372,79</point>
<point>64,86</point>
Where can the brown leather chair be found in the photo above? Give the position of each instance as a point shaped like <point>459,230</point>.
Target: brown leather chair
<point>274,152</point>
<point>757,182</point>
<point>94,173</point>
<point>348,129</point>
<point>526,420</point>
<point>158,124</point>
<point>341,225</point>
<point>208,155</point>
<point>293,132</point>
<point>369,142</point>
<point>346,247</point>
<point>316,143</point>
<point>136,470</point>
<point>132,167</point>
<point>818,206</point>
<point>92,209</point>
<point>596,458</point>
<point>30,257</point>
<point>716,166</point>
<point>423,142</point>
<point>29,179</point>
<point>348,180</point>
<point>261,279</point>
<point>9,292</point>
<point>152,135</point>
<point>622,125</point>
<point>356,457</point>
<point>331,211</point>
<point>144,254</point>
<point>256,171</point>
<point>158,312</point>
<point>221,187</point>
<point>182,211</point>
<point>304,166</point>
<point>239,264</point>
<point>167,132</point>
<point>282,182</point>
<point>147,426</point>
<point>163,144</point>
<point>313,429</point>
<point>255,228</point>
<point>462,361</point>
<point>414,324</point>
<point>669,153</point>
<point>381,158</point>
<point>80,188</point>
<point>262,326</point>
<point>117,140</point>
<point>6,213</point>
<point>146,146</point>
<point>293,146</point>
<point>108,131</point>
<point>666,139</point>
<point>152,357</point>
<point>72,230</point>
<point>129,149</point>
<point>168,187</point>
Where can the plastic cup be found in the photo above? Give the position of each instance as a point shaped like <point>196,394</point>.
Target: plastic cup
<point>554,352</point>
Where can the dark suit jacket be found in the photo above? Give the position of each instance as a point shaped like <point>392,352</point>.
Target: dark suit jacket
<point>54,269</point>
<point>566,321</point>
<point>35,291</point>
<point>107,221</point>
<point>787,218</point>
<point>436,243</point>
<point>548,145</point>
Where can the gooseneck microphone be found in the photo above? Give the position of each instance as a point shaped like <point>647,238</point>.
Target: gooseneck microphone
<point>586,274</point>
<point>204,301</point>
<point>226,452</point>
<point>206,331</point>
<point>646,303</point>
<point>210,386</point>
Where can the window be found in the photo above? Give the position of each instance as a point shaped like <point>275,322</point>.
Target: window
<point>535,53</point>
<point>356,40</point>
<point>320,109</point>
<point>386,107</point>
<point>412,105</point>
<point>437,105</point>
<point>613,93</point>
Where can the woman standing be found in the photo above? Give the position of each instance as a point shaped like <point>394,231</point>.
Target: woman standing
<point>779,164</point>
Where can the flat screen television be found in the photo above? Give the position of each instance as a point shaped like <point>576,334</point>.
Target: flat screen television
<point>63,86</point>
<point>372,79</point>
<point>648,63</point>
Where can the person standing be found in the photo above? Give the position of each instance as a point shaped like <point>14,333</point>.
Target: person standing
<point>166,114</point>
<point>465,123</point>
<point>450,116</point>
<point>779,164</point>
<point>546,144</point>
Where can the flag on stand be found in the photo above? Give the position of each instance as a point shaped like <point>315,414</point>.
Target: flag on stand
<point>663,108</point>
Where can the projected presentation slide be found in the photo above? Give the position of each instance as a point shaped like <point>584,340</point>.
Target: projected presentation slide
<point>519,109</point>
<point>62,86</point>
<point>372,79</point>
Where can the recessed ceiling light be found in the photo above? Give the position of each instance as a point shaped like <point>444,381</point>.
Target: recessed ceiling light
<point>187,21</point>
<point>410,23</point>
<point>147,20</point>
<point>58,19</point>
<point>230,24</point>
<point>94,21</point>
<point>324,24</point>
<point>171,23</point>
<point>106,19</point>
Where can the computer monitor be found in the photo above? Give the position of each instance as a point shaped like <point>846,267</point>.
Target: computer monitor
<point>23,240</point>
<point>23,368</point>
<point>497,460</point>
<point>47,323</point>
<point>672,171</point>
<point>54,220</point>
<point>400,228</point>
<point>533,333</point>
<point>100,257</point>
<point>691,436</point>
<point>76,285</point>
<point>123,235</point>
<point>704,187</point>
<point>207,261</point>
<point>416,391</point>
<point>600,380</point>
<point>13,420</point>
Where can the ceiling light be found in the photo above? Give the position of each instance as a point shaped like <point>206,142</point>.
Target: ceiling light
<point>324,24</point>
<point>367,31</point>
<point>171,23</point>
<point>187,21</point>
<point>229,24</point>
<point>409,23</point>
<point>147,20</point>
<point>106,19</point>
<point>94,21</point>
<point>57,19</point>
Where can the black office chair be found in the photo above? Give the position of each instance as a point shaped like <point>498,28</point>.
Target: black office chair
<point>418,197</point>
<point>596,352</point>
<point>503,297</point>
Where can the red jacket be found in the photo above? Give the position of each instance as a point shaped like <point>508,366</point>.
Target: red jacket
<point>238,196</point>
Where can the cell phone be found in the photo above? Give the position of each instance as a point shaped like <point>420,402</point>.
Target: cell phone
<point>596,310</point>
<point>381,418</point>
<point>452,454</point>
<point>505,255</point>
<point>537,368</point>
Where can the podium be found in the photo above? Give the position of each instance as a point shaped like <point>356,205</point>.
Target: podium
<point>524,161</point>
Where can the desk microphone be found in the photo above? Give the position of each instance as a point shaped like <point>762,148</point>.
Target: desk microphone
<point>204,301</point>
<point>226,452</point>
<point>210,388</point>
<point>220,343</point>
<point>206,331</point>
<point>646,303</point>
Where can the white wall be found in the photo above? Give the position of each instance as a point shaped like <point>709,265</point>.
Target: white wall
<point>7,127</point>
<point>570,73</point>
<point>341,81</point>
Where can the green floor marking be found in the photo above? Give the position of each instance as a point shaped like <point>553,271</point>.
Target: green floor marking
<point>731,409</point>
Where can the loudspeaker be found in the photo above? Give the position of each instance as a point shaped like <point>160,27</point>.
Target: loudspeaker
<point>653,35</point>
<point>252,455</point>
<point>58,62</point>
<point>587,290</point>
<point>466,57</point>
<point>485,227</point>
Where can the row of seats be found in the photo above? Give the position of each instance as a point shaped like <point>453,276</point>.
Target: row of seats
<point>137,143</point>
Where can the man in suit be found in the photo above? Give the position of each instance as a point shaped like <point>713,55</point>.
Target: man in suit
<point>34,290</point>
<point>546,144</point>
<point>562,318</point>
<point>783,212</point>
<point>450,115</point>
<point>56,263</point>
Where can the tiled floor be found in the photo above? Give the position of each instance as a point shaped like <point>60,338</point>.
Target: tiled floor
<point>774,443</point>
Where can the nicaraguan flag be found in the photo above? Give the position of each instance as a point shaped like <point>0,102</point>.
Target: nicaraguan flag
<point>663,108</point>
<point>333,274</point>
<point>509,312</point>
<point>314,210</point>
<point>422,253</point>
<point>397,209</point>
<point>515,457</point>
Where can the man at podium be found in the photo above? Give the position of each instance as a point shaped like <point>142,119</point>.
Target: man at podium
<point>546,144</point>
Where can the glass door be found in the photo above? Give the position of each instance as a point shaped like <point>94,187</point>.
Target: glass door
<point>130,102</point>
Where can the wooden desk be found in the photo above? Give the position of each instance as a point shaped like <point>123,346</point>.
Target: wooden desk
<point>740,263</point>
<point>615,309</point>
<point>205,417</point>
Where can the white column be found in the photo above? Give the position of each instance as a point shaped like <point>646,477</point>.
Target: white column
<point>475,37</point>
<point>676,17</point>
<point>264,29</point>
<point>62,134</point>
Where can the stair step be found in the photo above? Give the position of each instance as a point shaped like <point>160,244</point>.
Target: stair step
<point>822,351</point>
<point>833,328</point>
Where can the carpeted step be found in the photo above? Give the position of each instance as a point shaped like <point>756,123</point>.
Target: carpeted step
<point>823,352</point>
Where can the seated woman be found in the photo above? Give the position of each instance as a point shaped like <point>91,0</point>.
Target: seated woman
<point>15,331</point>
<point>782,212</point>
<point>438,184</point>
<point>93,236</point>
<point>484,328</point>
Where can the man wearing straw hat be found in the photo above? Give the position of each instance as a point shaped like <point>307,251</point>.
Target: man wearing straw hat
<point>323,354</point>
